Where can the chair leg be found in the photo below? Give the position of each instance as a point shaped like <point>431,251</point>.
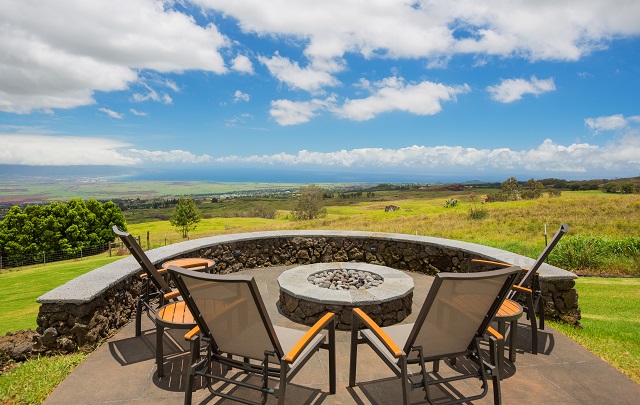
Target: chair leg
<point>332,357</point>
<point>513,337</point>
<point>534,325</point>
<point>541,312</point>
<point>194,354</point>
<point>139,318</point>
<point>501,329</point>
<point>404,376</point>
<point>159,350</point>
<point>353,357</point>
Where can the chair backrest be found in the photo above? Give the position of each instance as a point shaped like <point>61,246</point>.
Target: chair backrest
<point>229,310</point>
<point>458,308</point>
<point>526,279</point>
<point>143,260</point>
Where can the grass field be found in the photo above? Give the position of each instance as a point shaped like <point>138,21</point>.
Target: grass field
<point>610,320</point>
<point>19,307</point>
<point>516,226</point>
<point>609,306</point>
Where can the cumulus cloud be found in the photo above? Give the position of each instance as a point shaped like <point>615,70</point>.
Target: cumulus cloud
<point>111,113</point>
<point>610,123</point>
<point>24,149</point>
<point>35,150</point>
<point>287,112</point>
<point>620,154</point>
<point>549,156</point>
<point>172,156</point>
<point>393,94</point>
<point>57,54</point>
<point>242,64</point>
<point>511,90</point>
<point>389,94</point>
<point>240,96</point>
<point>294,76</point>
<point>564,30</point>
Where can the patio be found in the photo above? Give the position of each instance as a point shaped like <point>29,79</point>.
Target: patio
<point>123,370</point>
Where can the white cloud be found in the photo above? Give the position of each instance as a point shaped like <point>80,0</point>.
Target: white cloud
<point>294,76</point>
<point>35,150</point>
<point>620,154</point>
<point>24,149</point>
<point>172,156</point>
<point>151,95</point>
<point>610,123</point>
<point>138,113</point>
<point>242,64</point>
<point>389,94</point>
<point>547,157</point>
<point>56,54</point>
<point>240,96</point>
<point>511,90</point>
<point>111,113</point>
<point>393,94</point>
<point>287,112</point>
<point>561,30</point>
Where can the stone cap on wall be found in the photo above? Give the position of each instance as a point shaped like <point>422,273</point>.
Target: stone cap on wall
<point>90,285</point>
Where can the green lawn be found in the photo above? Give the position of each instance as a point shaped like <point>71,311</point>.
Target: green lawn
<point>19,308</point>
<point>611,321</point>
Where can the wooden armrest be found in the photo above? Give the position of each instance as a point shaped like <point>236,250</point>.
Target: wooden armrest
<point>380,334</point>
<point>306,339</point>
<point>522,289</point>
<point>145,275</point>
<point>189,335</point>
<point>490,262</point>
<point>494,333</point>
<point>172,294</point>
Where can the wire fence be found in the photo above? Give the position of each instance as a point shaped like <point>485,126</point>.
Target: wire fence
<point>50,257</point>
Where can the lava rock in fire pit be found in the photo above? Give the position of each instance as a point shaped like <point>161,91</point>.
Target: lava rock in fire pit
<point>345,279</point>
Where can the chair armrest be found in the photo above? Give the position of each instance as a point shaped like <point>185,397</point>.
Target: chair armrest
<point>522,289</point>
<point>189,335</point>
<point>498,264</point>
<point>306,339</point>
<point>172,294</point>
<point>494,333</point>
<point>145,275</point>
<point>380,334</point>
<point>491,262</point>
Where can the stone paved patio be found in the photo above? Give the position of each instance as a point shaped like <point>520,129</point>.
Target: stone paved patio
<point>122,371</point>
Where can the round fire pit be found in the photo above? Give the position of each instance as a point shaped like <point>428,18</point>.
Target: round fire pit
<point>308,292</point>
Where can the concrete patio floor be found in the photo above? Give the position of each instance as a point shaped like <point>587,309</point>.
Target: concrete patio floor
<point>122,371</point>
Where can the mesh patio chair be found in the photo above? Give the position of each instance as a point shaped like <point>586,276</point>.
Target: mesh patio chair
<point>454,318</point>
<point>157,299</point>
<point>528,288</point>
<point>240,335</point>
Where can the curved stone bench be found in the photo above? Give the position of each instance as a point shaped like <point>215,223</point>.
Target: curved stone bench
<point>90,307</point>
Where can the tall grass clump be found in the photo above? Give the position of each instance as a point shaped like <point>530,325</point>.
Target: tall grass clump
<point>598,254</point>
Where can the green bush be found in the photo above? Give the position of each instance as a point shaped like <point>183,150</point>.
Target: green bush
<point>598,254</point>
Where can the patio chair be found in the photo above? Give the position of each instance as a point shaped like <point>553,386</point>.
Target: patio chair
<point>454,318</point>
<point>529,286</point>
<point>242,328</point>
<point>162,305</point>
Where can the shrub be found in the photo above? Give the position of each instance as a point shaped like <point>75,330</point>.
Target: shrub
<point>477,213</point>
<point>450,203</point>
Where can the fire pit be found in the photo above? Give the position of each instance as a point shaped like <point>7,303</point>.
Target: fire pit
<point>308,292</point>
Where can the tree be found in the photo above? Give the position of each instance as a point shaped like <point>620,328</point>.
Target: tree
<point>185,215</point>
<point>310,203</point>
<point>512,188</point>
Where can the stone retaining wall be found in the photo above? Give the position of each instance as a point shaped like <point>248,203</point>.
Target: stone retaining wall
<point>92,306</point>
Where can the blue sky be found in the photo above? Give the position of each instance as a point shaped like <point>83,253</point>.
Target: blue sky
<point>382,90</point>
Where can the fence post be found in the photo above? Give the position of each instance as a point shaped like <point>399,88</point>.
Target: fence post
<point>44,258</point>
<point>81,253</point>
<point>148,244</point>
